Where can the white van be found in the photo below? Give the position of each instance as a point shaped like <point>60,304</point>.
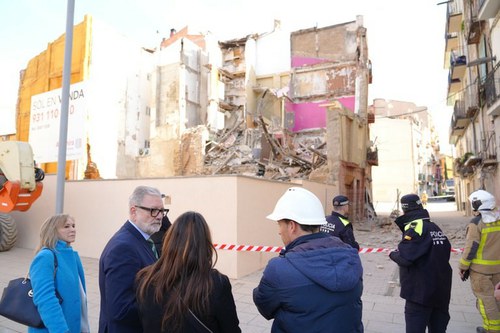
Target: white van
<point>449,189</point>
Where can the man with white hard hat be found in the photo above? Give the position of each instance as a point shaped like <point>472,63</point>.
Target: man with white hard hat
<point>481,258</point>
<point>315,284</point>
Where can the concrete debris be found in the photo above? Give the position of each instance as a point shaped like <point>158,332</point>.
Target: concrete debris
<point>279,155</point>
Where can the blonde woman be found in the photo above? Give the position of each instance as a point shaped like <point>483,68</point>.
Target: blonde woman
<point>56,235</point>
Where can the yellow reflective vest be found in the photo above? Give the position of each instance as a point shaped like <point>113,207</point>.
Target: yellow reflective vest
<point>482,248</point>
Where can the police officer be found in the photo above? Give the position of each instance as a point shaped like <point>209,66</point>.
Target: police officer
<point>338,225</point>
<point>481,258</point>
<point>425,274</point>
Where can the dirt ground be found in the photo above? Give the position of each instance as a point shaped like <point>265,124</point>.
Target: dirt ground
<point>383,233</point>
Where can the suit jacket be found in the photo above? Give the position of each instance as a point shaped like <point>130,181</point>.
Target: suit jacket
<point>126,253</point>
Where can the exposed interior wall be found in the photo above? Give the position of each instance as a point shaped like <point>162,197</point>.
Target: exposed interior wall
<point>338,43</point>
<point>235,208</point>
<point>325,64</point>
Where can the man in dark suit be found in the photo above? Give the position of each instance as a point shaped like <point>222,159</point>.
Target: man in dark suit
<point>127,252</point>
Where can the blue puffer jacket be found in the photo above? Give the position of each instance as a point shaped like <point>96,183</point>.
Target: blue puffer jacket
<point>64,317</point>
<point>315,285</point>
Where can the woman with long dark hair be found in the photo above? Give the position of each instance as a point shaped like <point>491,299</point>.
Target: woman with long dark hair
<point>182,292</point>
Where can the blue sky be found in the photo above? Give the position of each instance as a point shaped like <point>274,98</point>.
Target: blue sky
<point>405,37</point>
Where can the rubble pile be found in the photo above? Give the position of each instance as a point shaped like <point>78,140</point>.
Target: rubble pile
<point>256,152</point>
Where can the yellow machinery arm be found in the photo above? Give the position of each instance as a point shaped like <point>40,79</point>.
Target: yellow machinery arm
<point>20,181</point>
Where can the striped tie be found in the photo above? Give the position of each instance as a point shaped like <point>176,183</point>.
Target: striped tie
<point>153,247</point>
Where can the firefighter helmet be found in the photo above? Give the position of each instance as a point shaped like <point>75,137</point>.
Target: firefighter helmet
<point>482,200</point>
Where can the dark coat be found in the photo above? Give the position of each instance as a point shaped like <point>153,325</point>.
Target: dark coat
<point>424,270</point>
<point>159,236</point>
<point>314,286</point>
<point>222,317</point>
<point>336,227</point>
<point>126,253</point>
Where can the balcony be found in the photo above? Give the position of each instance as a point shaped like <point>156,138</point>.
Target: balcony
<point>453,28</point>
<point>488,153</point>
<point>452,43</point>
<point>488,9</point>
<point>491,89</point>
<point>460,167</point>
<point>372,156</point>
<point>454,85</point>
<point>472,25</point>
<point>459,119</point>
<point>458,64</point>
<point>470,96</point>
<point>454,17</point>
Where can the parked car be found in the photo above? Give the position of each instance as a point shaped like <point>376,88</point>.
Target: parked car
<point>449,189</point>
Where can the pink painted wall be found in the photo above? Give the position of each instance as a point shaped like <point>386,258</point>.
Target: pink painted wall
<point>311,115</point>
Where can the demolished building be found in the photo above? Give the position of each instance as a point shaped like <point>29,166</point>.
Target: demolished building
<point>299,115</point>
<point>278,105</point>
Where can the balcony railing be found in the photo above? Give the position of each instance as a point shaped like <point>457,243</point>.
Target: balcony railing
<point>491,86</point>
<point>488,151</point>
<point>471,98</point>
<point>459,119</point>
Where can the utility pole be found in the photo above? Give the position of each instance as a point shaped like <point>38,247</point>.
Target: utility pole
<point>63,129</point>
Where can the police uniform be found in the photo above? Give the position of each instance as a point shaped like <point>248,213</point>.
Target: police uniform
<point>338,225</point>
<point>425,273</point>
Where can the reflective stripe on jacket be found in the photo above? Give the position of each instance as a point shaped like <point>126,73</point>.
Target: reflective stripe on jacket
<point>344,221</point>
<point>482,248</point>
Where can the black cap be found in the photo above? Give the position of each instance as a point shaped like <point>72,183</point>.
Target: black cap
<point>340,200</point>
<point>411,202</point>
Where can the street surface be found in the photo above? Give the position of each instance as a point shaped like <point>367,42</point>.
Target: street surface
<point>382,306</point>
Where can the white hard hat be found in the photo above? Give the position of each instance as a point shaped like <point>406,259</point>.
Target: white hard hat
<point>299,205</point>
<point>482,200</point>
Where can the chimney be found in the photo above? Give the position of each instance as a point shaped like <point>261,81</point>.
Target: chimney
<point>172,32</point>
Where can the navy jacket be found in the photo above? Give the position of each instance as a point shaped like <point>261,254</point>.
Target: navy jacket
<point>126,253</point>
<point>314,286</point>
<point>423,257</point>
<point>335,227</point>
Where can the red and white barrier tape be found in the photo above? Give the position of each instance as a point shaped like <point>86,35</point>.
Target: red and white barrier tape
<point>251,248</point>
<point>255,248</point>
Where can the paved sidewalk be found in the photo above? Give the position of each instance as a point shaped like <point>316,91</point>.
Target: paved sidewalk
<point>383,309</point>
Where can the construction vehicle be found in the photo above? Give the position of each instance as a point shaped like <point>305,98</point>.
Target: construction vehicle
<point>20,186</point>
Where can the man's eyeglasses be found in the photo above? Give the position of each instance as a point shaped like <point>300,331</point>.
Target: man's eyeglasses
<point>154,211</point>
